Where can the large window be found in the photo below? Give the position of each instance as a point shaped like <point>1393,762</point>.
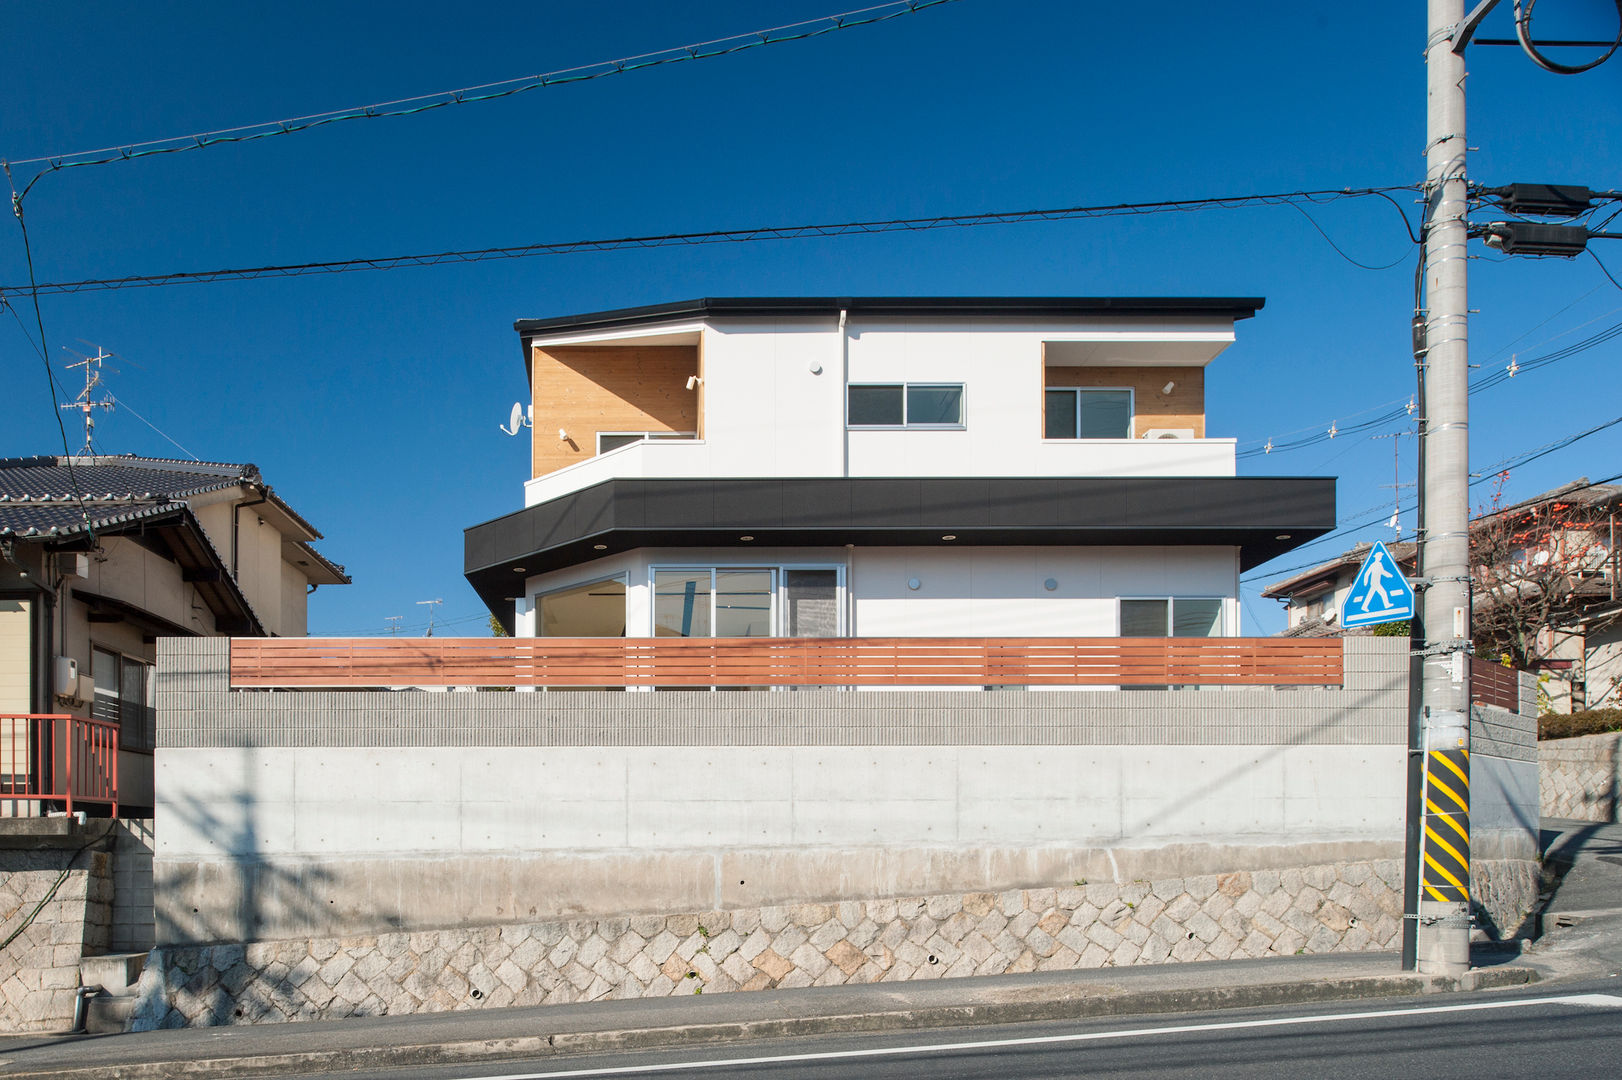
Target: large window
<point>1087,413</point>
<point>595,609</point>
<point>124,695</point>
<point>753,601</point>
<point>908,405</point>
<point>1172,616</point>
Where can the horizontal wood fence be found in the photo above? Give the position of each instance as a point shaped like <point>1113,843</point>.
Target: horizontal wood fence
<point>702,662</point>
<point>1495,684</point>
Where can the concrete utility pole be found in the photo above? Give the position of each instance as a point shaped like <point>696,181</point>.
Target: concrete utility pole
<point>1443,942</point>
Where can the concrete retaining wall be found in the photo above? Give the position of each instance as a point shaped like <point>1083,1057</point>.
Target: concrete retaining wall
<point>330,854</point>
<point>332,814</point>
<point>1582,777</point>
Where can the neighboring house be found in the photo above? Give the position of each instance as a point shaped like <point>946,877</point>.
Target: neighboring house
<point>101,555</point>
<point>1313,598</point>
<point>1545,591</point>
<point>884,467</point>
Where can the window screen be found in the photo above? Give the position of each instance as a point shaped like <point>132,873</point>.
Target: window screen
<point>934,406</point>
<point>905,405</point>
<point>877,406</point>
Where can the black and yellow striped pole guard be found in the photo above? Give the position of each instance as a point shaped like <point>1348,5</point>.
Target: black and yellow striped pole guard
<point>1446,847</point>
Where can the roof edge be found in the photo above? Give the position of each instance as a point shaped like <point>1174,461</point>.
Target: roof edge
<point>1236,307</point>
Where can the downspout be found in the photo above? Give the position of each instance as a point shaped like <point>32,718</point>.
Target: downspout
<point>844,465</point>
<point>844,393</point>
<point>235,527</point>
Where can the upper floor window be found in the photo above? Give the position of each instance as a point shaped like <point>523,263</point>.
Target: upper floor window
<point>613,440</point>
<point>909,405</point>
<point>1074,412</point>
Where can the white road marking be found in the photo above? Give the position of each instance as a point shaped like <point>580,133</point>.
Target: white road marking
<point>1592,1001</point>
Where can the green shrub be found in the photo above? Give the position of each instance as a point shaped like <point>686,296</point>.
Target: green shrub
<point>1593,722</point>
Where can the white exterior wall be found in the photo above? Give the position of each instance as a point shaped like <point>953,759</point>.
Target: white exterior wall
<point>767,412</point>
<point>963,592</point>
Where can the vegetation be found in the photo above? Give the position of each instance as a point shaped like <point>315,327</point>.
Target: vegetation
<point>1571,725</point>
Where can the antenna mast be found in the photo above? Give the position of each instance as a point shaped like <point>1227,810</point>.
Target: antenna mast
<point>86,403</point>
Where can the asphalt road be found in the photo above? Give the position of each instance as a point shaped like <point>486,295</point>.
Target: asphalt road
<point>1575,1032</point>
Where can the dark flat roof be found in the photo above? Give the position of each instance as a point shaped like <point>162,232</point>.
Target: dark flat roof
<point>715,307</point>
<point>1262,516</point>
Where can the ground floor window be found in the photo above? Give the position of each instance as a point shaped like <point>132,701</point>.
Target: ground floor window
<point>595,609</point>
<point>124,695</point>
<point>1172,616</point>
<point>746,601</point>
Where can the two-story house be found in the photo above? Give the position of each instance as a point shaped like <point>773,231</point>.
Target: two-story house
<point>884,467</point>
<point>101,555</point>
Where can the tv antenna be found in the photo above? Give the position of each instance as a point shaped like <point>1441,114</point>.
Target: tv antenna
<point>1396,484</point>
<point>433,606</point>
<point>394,623</point>
<point>87,403</point>
<point>518,419</point>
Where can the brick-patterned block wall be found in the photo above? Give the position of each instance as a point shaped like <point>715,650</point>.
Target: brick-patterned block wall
<point>1344,907</point>
<point>1581,778</point>
<point>39,970</point>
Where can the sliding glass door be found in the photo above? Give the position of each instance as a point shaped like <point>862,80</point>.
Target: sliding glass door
<point>753,601</point>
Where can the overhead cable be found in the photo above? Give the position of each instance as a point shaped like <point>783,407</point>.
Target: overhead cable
<point>491,91</point>
<point>718,236</point>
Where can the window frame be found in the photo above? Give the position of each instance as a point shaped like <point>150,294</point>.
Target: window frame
<point>535,598</point>
<point>641,437</point>
<point>779,589</point>
<point>1170,599</point>
<point>961,424</point>
<point>147,731</point>
<point>1077,391</point>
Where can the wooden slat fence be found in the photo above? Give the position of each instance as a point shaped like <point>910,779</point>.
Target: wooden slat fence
<point>698,662</point>
<point>1495,684</point>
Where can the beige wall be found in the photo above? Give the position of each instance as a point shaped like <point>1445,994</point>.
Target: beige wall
<point>274,587</point>
<point>15,664</point>
<point>1184,407</point>
<point>587,390</point>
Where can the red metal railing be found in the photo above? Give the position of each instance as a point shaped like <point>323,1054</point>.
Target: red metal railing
<point>678,662</point>
<point>47,757</point>
<point>1495,684</point>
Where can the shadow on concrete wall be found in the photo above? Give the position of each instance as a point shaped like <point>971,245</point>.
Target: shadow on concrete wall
<point>211,911</point>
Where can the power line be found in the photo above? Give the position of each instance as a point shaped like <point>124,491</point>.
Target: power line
<point>1485,382</point>
<point>718,236</point>
<point>491,91</point>
<point>1503,465</point>
<point>44,355</point>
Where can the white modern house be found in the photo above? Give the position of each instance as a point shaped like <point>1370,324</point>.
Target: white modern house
<point>884,467</point>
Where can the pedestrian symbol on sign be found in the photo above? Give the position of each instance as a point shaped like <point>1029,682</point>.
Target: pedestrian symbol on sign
<point>1379,593</point>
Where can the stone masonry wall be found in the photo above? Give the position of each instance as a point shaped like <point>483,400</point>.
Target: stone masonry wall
<point>1345,907</point>
<point>1580,778</point>
<point>39,970</point>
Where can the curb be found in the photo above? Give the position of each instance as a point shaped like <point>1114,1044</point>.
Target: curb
<point>1064,1005</point>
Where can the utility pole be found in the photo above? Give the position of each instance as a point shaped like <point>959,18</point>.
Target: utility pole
<point>1443,930</point>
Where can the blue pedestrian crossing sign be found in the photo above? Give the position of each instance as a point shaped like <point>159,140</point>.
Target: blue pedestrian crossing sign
<point>1379,593</point>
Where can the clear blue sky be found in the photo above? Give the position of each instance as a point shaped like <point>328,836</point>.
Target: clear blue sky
<point>370,400</point>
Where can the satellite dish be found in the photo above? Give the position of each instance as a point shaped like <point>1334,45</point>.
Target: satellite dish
<point>516,420</point>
